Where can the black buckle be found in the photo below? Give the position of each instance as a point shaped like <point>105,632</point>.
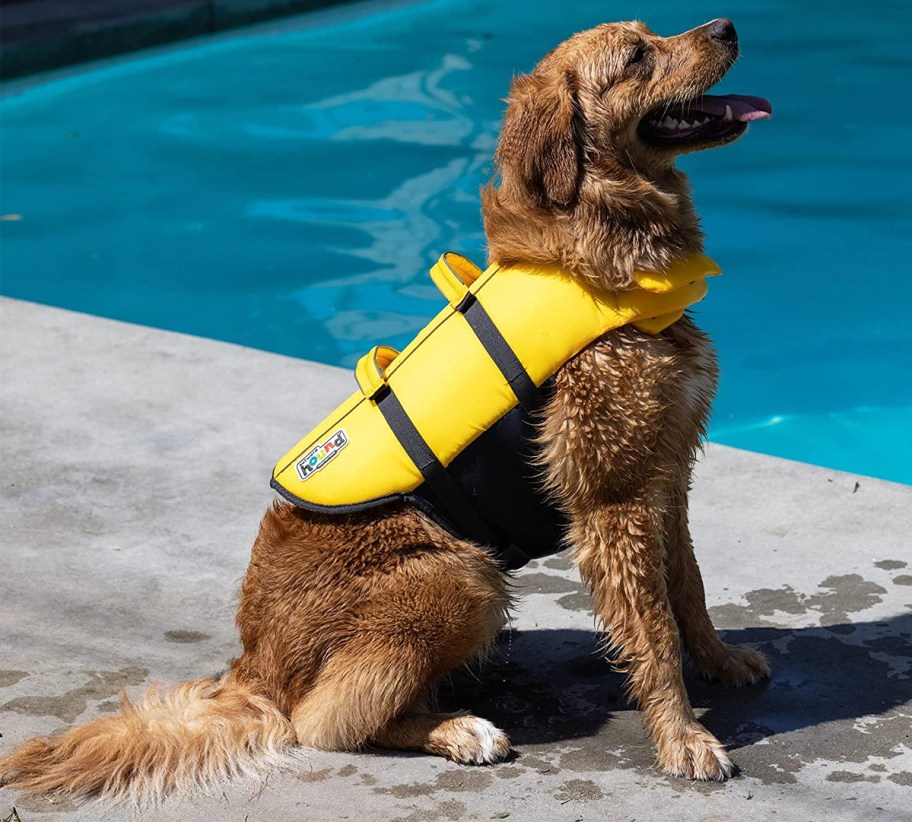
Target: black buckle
<point>466,302</point>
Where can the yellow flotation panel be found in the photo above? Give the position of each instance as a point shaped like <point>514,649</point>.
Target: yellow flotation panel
<point>447,382</point>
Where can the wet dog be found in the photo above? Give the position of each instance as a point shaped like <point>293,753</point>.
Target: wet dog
<point>347,621</point>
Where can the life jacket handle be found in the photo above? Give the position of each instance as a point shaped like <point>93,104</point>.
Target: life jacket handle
<point>370,372</point>
<point>453,274</point>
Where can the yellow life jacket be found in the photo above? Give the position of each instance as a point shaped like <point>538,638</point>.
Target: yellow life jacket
<point>504,333</point>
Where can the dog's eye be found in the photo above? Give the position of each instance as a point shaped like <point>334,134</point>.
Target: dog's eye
<point>637,55</point>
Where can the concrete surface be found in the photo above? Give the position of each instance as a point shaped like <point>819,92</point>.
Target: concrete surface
<point>136,466</point>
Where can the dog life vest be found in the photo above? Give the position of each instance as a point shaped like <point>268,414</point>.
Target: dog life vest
<point>448,423</point>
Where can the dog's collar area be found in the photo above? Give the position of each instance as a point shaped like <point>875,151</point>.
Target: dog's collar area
<point>687,273</point>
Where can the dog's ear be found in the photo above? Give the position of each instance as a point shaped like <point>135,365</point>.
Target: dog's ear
<point>539,145</point>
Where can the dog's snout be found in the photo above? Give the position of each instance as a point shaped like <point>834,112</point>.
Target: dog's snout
<point>723,31</point>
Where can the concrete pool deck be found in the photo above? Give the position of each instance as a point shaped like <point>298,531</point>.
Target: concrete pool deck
<point>135,470</point>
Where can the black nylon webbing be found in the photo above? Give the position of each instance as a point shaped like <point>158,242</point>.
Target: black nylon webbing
<point>449,494</point>
<point>499,350</point>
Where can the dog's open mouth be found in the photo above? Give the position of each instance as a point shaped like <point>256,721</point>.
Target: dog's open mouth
<point>709,118</point>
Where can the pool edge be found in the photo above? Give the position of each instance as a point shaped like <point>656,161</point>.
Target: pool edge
<point>49,35</point>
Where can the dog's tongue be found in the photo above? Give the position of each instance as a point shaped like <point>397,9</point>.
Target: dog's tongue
<point>743,107</point>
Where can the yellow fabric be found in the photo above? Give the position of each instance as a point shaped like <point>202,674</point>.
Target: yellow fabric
<point>449,386</point>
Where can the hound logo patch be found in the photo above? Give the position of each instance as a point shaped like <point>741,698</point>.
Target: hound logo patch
<point>320,456</point>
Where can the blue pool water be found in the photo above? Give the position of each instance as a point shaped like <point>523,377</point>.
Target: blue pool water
<point>288,188</point>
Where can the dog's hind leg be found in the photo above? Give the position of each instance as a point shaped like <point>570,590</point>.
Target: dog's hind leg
<point>359,691</point>
<point>371,688</point>
<point>710,656</point>
<point>369,694</point>
<point>461,737</point>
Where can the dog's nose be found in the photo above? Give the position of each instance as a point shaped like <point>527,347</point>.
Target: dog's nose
<point>723,30</point>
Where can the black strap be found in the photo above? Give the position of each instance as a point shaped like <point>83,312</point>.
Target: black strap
<point>435,475</point>
<point>499,350</point>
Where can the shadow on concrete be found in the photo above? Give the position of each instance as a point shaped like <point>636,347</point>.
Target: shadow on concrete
<point>543,686</point>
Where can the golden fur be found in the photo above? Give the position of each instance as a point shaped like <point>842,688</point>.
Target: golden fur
<point>347,622</point>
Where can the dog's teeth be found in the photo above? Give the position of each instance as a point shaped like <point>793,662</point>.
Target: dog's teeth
<point>728,113</point>
<point>683,124</point>
<point>669,122</point>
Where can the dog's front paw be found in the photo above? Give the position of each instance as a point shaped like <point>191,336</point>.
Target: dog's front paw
<point>733,666</point>
<point>696,754</point>
<point>474,741</point>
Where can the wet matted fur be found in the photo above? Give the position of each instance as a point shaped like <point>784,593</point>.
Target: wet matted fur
<point>348,621</point>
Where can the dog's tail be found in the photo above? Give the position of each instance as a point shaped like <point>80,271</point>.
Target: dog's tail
<point>190,735</point>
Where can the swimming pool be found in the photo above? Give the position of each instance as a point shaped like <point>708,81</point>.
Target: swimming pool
<point>287,189</point>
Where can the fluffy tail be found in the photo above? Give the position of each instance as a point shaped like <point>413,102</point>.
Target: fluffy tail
<point>191,735</point>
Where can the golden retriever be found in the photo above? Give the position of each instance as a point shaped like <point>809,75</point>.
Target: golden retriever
<point>348,621</point>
